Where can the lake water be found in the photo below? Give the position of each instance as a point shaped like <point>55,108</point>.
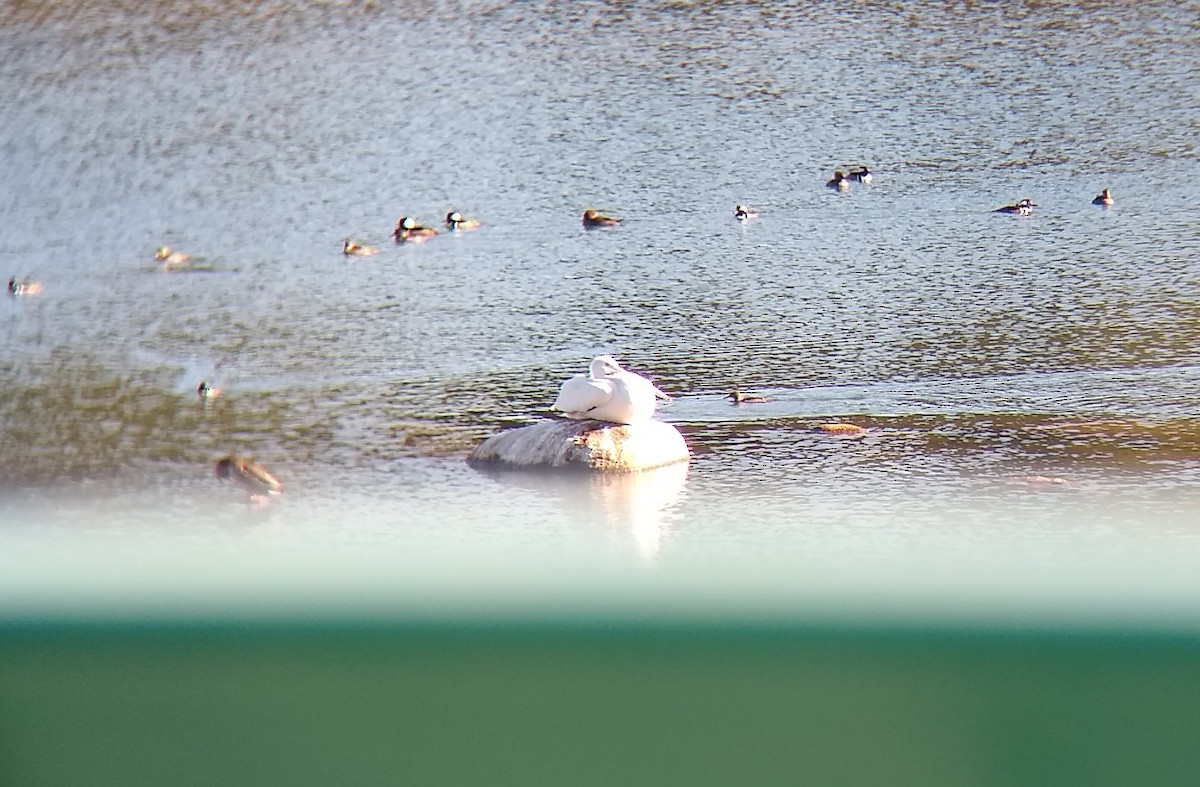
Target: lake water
<point>994,585</point>
<point>1028,383</point>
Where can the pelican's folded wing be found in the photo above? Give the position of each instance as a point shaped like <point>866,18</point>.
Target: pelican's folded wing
<point>581,394</point>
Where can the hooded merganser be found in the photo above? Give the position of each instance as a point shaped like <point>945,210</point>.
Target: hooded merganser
<point>742,213</point>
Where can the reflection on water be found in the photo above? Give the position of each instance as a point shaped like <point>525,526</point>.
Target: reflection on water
<point>640,506</point>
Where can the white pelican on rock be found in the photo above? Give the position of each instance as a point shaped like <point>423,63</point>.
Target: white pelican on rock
<point>608,393</point>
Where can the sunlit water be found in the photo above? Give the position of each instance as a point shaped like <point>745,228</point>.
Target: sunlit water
<point>1028,383</point>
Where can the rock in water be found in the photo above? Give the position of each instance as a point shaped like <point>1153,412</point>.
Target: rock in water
<point>588,445</point>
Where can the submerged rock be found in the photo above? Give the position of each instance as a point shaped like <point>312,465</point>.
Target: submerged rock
<point>588,445</point>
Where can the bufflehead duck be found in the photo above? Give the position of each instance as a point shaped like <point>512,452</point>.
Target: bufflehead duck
<point>407,229</point>
<point>26,286</point>
<point>170,258</point>
<point>839,181</point>
<point>1024,208</point>
<point>352,249</point>
<point>860,175</point>
<point>456,221</point>
<point>594,218</point>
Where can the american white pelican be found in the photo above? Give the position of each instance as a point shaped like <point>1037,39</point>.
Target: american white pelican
<point>608,393</point>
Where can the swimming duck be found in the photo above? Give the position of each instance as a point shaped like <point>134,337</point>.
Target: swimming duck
<point>860,175</point>
<point>456,221</point>
<point>608,393</point>
<point>170,258</point>
<point>1023,208</point>
<point>742,213</point>
<point>206,391</point>
<point>839,181</point>
<point>737,397</point>
<point>1103,198</point>
<point>250,476</point>
<point>26,286</point>
<point>407,229</point>
<point>352,249</point>
<point>594,218</point>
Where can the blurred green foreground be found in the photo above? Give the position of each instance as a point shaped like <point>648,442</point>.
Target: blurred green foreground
<point>598,702</point>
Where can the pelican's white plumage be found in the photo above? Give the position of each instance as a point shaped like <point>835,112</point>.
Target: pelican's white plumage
<point>608,393</point>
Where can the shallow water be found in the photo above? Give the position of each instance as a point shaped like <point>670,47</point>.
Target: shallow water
<point>1028,384</point>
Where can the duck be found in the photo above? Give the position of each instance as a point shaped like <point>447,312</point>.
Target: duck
<point>25,286</point>
<point>248,475</point>
<point>608,393</point>
<point>737,397</point>
<point>839,181</point>
<point>170,258</point>
<point>860,175</point>
<point>594,218</point>
<point>1103,198</point>
<point>1023,208</point>
<point>456,221</point>
<point>352,249</point>
<point>742,213</point>
<point>407,229</point>
<point>206,391</point>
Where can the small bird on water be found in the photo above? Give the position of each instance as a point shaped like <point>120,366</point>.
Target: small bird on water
<point>456,221</point>
<point>206,391</point>
<point>742,213</point>
<point>1103,198</point>
<point>1022,208</point>
<point>839,181</point>
<point>594,218</point>
<point>170,258</point>
<point>249,476</point>
<point>737,397</point>
<point>26,286</point>
<point>860,175</point>
<point>407,229</point>
<point>352,249</point>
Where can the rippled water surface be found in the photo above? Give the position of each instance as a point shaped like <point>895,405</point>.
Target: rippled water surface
<point>1026,382</point>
